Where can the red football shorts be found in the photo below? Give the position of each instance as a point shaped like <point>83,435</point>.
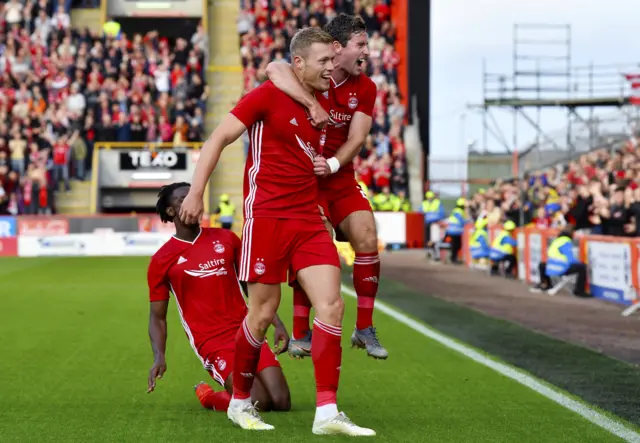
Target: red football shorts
<point>219,361</point>
<point>340,196</point>
<point>272,246</point>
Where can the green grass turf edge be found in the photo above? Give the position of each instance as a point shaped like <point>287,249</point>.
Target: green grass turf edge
<point>611,385</point>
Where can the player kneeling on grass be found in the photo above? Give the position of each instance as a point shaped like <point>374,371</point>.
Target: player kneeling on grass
<point>198,265</point>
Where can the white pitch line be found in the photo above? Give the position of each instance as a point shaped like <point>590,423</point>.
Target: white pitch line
<point>595,417</point>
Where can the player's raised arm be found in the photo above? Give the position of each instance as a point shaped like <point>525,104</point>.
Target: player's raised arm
<point>228,131</point>
<point>284,79</point>
<point>158,337</point>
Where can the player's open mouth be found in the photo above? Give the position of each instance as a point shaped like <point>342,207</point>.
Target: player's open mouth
<point>326,76</point>
<point>360,61</point>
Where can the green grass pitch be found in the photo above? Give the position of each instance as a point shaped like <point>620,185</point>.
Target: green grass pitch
<point>74,356</point>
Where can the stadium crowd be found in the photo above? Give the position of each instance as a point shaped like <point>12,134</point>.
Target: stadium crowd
<point>266,28</point>
<point>64,89</point>
<point>597,193</point>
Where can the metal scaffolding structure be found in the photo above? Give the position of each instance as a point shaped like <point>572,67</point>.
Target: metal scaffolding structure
<point>543,78</point>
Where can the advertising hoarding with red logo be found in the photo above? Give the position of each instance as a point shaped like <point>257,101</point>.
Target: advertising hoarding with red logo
<point>38,226</point>
<point>152,223</point>
<point>8,246</point>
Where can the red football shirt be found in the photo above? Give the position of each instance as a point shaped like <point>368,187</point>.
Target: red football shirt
<point>278,179</point>
<point>354,94</point>
<point>202,277</point>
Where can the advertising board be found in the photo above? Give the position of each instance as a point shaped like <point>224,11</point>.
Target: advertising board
<point>610,268</point>
<point>8,227</point>
<point>96,245</point>
<point>8,246</point>
<point>39,226</point>
<point>391,227</point>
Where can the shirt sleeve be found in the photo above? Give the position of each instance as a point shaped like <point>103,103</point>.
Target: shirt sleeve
<point>251,108</point>
<point>511,241</point>
<point>156,279</point>
<point>367,97</point>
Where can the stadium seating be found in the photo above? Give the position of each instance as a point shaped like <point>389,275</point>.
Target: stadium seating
<point>64,89</point>
<point>598,192</point>
<point>266,28</point>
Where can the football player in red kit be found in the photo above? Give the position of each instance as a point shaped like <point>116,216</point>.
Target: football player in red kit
<point>199,265</point>
<point>349,107</point>
<point>283,230</point>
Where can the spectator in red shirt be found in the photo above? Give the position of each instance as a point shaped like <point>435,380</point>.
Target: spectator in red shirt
<point>61,155</point>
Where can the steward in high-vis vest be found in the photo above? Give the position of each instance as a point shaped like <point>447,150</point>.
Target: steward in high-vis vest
<point>384,201</point>
<point>226,211</point>
<point>561,262</point>
<point>503,250</point>
<point>479,244</point>
<point>433,213</point>
<point>401,203</point>
<point>455,228</point>
<point>111,28</point>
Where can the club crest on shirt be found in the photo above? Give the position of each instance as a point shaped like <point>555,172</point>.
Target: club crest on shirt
<point>353,102</point>
<point>259,267</point>
<point>218,247</point>
<point>221,364</point>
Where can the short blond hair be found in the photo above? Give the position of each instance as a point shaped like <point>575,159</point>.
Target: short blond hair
<point>305,38</point>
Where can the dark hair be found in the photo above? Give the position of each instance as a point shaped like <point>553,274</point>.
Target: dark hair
<point>164,198</point>
<point>344,26</point>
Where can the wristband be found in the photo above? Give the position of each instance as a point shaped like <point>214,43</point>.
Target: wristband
<point>334,164</point>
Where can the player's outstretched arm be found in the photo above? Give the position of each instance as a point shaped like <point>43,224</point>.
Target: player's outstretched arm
<point>228,131</point>
<point>358,130</point>
<point>158,337</point>
<point>284,79</point>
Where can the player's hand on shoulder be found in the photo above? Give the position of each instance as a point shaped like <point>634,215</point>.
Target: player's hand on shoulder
<point>320,166</point>
<point>191,209</point>
<point>157,371</point>
<point>319,117</point>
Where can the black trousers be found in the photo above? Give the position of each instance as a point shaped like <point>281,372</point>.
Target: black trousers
<point>227,225</point>
<point>580,269</point>
<point>456,246</point>
<point>427,234</point>
<point>511,262</point>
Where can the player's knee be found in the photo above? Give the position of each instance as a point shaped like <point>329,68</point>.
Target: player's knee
<point>261,319</point>
<point>281,401</point>
<point>365,238</point>
<point>331,310</point>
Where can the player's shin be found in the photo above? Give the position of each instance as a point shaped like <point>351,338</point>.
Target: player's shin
<point>366,274</point>
<point>301,312</point>
<point>247,354</point>
<point>327,359</point>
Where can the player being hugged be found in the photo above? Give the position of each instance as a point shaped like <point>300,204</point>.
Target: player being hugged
<point>349,107</point>
<point>198,265</point>
<point>283,229</point>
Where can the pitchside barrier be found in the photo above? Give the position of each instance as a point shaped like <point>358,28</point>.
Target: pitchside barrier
<point>613,263</point>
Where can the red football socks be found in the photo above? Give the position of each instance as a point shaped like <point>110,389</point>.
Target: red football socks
<point>366,274</point>
<point>301,312</point>
<point>327,358</point>
<point>210,399</point>
<point>245,362</point>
